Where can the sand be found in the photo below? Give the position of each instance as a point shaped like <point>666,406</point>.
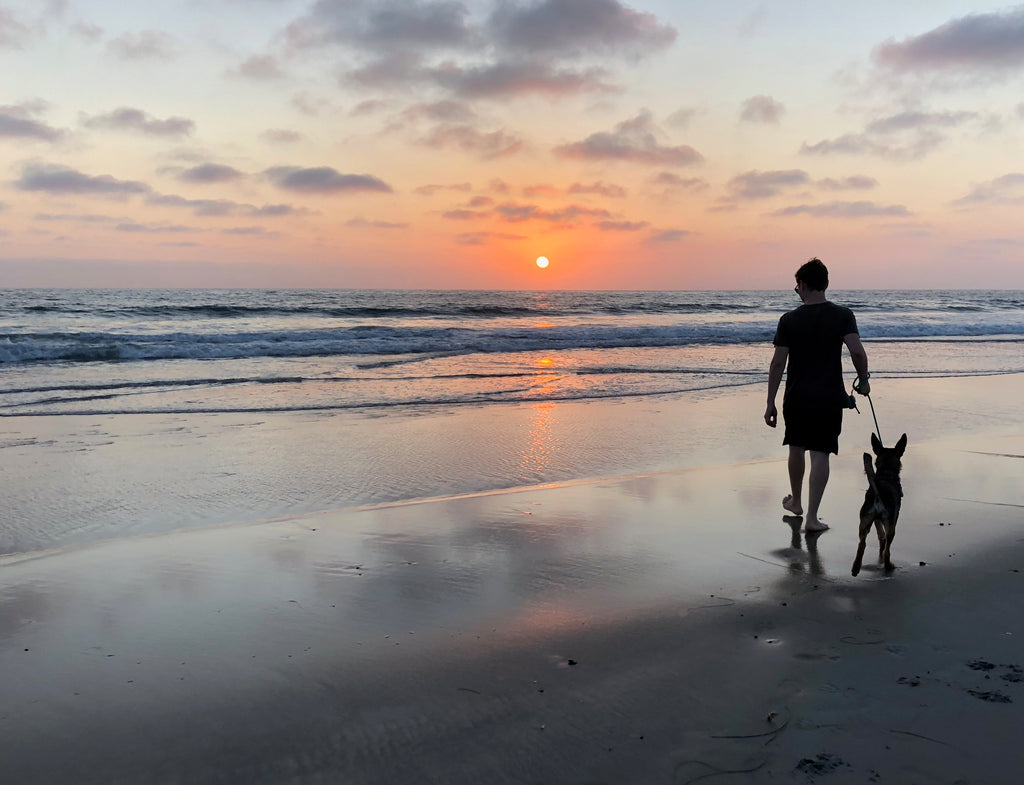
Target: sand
<point>658,627</point>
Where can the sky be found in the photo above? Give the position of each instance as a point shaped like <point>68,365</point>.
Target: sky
<point>449,143</point>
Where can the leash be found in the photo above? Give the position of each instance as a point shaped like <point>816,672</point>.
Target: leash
<point>853,401</point>
<point>871,403</point>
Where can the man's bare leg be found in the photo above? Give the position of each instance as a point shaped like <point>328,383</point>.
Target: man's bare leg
<point>791,503</point>
<point>816,482</point>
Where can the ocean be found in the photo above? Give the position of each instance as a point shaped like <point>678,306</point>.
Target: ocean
<point>169,351</point>
<point>127,412</point>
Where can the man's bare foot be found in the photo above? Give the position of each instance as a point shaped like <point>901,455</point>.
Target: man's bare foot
<point>791,506</point>
<point>814,525</point>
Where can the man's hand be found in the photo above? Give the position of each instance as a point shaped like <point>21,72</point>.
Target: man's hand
<point>771,415</point>
<point>862,386</point>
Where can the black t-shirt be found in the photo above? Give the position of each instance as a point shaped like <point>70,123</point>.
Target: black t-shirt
<point>814,336</point>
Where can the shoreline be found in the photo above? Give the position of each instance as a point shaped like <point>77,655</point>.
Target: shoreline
<point>204,470</point>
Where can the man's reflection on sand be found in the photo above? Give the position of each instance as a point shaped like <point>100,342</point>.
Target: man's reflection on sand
<point>795,556</point>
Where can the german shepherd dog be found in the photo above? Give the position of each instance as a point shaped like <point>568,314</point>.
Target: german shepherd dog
<point>882,500</point>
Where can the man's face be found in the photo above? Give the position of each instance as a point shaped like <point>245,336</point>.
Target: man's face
<point>800,288</point>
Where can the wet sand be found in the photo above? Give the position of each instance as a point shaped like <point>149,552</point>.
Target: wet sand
<point>662,627</point>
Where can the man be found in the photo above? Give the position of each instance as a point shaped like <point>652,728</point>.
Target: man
<point>810,341</point>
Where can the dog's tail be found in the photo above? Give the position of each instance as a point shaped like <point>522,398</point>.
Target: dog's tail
<point>869,470</point>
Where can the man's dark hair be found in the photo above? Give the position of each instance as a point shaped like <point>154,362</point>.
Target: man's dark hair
<point>814,274</point>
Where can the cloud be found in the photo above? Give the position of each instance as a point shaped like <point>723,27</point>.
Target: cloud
<point>979,42</point>
<point>910,121</point>
<point>276,211</point>
<point>145,45</point>
<point>574,27</point>
<point>600,189</point>
<point>903,136</point>
<point>673,180</point>
<point>481,238</point>
<point>133,227</point>
<point>633,140</point>
<point>621,226</point>
<point>461,214</point>
<point>362,223</point>
<point>440,112</point>
<point>1008,189</point>
<point>246,231</point>
<point>681,118</point>
<point>282,136</point>
<point>520,48</point>
<point>764,185</point>
<point>13,33</point>
<point>390,70</point>
<point>408,24</point>
<point>130,119</point>
<point>517,213</point>
<point>87,32</point>
<point>541,189</point>
<point>89,218</point>
<point>204,207</point>
<point>495,80</point>
<point>309,105</point>
<point>667,236</point>
<point>369,107</point>
<point>751,23</point>
<point>855,182</point>
<point>761,109</point>
<point>210,173</point>
<point>496,144</point>
<point>480,201</point>
<point>221,207</point>
<point>18,122</point>
<point>57,179</point>
<point>844,210</point>
<point>260,68</point>
<point>324,180</point>
<point>430,190</point>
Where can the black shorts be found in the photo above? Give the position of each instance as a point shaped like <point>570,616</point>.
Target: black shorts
<point>813,429</point>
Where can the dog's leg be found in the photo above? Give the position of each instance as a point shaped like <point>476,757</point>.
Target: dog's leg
<point>890,534</point>
<point>865,526</point>
<point>881,539</point>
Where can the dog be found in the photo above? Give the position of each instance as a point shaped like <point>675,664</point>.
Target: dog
<point>882,500</point>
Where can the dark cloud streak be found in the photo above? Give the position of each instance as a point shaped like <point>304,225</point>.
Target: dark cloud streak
<point>56,179</point>
<point>128,118</point>
<point>634,140</point>
<point>561,27</point>
<point>990,41</point>
<point>324,180</point>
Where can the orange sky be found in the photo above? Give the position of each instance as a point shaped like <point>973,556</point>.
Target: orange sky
<point>447,144</point>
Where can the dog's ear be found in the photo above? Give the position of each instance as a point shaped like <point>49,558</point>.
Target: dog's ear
<point>875,444</point>
<point>901,445</point>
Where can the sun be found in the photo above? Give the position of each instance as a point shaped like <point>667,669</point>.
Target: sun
<point>542,262</point>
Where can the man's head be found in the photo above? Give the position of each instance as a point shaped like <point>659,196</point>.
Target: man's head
<point>813,275</point>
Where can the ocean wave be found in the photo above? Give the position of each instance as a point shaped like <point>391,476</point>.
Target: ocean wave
<point>375,306</point>
<point>421,341</point>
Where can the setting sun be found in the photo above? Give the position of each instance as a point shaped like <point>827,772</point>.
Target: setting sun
<point>542,262</point>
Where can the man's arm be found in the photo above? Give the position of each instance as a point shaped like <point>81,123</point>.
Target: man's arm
<point>860,361</point>
<point>775,371</point>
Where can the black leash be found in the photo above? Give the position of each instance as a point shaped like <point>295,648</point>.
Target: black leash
<point>853,401</point>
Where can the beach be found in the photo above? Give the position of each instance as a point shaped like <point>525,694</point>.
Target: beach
<point>661,625</point>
